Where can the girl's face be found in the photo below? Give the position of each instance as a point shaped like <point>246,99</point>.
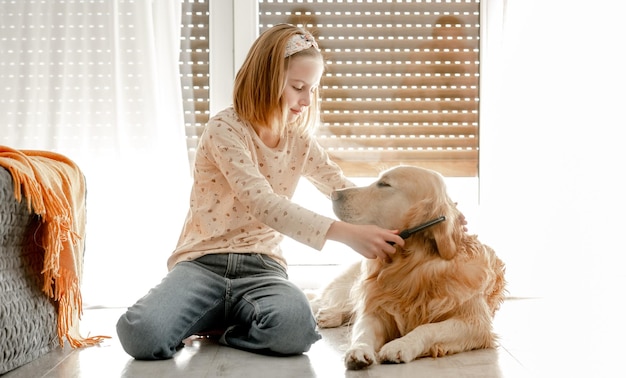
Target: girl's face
<point>303,77</point>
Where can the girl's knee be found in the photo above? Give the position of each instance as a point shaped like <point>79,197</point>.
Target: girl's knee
<point>293,332</point>
<point>143,339</point>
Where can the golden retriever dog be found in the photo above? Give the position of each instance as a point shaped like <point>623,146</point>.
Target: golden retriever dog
<point>439,293</point>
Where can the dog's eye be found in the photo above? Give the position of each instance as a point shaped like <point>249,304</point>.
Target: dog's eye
<point>382,184</point>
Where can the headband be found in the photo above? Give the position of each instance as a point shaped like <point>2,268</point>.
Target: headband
<point>300,42</point>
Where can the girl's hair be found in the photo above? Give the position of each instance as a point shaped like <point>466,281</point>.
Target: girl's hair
<point>260,82</point>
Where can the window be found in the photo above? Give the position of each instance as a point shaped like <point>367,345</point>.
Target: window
<point>392,93</point>
<point>401,84</point>
<point>194,69</point>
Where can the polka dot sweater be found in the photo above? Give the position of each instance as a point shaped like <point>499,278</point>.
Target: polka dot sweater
<point>240,198</point>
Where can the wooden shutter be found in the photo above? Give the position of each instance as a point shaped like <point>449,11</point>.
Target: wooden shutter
<point>401,83</point>
<point>194,68</point>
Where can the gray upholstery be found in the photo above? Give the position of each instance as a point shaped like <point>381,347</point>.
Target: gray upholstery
<point>27,316</point>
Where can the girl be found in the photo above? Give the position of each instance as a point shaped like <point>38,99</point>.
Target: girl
<point>228,271</point>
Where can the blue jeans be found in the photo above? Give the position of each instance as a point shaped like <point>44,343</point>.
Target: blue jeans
<point>248,295</point>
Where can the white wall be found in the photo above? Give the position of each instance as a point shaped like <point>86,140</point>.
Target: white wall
<point>552,186</point>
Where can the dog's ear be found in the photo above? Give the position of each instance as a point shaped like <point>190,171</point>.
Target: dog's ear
<point>446,233</point>
<point>444,238</point>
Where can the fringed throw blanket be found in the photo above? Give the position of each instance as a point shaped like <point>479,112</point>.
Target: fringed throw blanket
<point>54,189</point>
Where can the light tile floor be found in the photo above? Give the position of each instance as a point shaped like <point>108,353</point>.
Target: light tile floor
<point>535,341</point>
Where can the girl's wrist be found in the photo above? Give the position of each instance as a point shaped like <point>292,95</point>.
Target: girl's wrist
<point>336,231</point>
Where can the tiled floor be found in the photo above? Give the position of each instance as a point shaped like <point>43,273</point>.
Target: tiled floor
<point>536,341</point>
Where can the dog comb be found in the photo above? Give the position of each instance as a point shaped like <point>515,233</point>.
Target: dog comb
<point>408,232</point>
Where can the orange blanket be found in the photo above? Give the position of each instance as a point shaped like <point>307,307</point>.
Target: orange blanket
<point>54,188</point>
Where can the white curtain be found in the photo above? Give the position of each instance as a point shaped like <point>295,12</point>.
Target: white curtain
<point>98,81</point>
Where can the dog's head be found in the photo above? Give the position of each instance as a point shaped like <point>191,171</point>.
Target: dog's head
<point>404,197</point>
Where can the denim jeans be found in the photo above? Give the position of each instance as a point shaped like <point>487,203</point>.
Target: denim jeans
<point>248,295</point>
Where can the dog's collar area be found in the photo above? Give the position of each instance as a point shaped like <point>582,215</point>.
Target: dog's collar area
<point>410,231</point>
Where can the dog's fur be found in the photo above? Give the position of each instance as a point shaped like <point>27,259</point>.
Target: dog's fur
<point>439,293</point>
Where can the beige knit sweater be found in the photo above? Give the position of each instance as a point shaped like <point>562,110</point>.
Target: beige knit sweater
<point>240,198</point>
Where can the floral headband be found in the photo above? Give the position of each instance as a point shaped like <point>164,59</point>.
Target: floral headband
<point>300,42</point>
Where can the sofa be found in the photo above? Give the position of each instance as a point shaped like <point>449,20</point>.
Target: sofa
<point>28,317</point>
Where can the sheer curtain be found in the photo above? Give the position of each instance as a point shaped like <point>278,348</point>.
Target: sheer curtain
<point>98,81</point>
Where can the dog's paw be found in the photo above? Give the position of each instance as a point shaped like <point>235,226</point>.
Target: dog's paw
<point>360,357</point>
<point>327,318</point>
<point>397,351</point>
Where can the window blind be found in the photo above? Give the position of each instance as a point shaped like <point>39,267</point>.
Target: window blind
<point>194,69</point>
<point>401,81</point>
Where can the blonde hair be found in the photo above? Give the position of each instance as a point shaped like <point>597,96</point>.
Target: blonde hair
<point>260,82</point>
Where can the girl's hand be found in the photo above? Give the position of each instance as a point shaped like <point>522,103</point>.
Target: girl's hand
<point>368,240</point>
